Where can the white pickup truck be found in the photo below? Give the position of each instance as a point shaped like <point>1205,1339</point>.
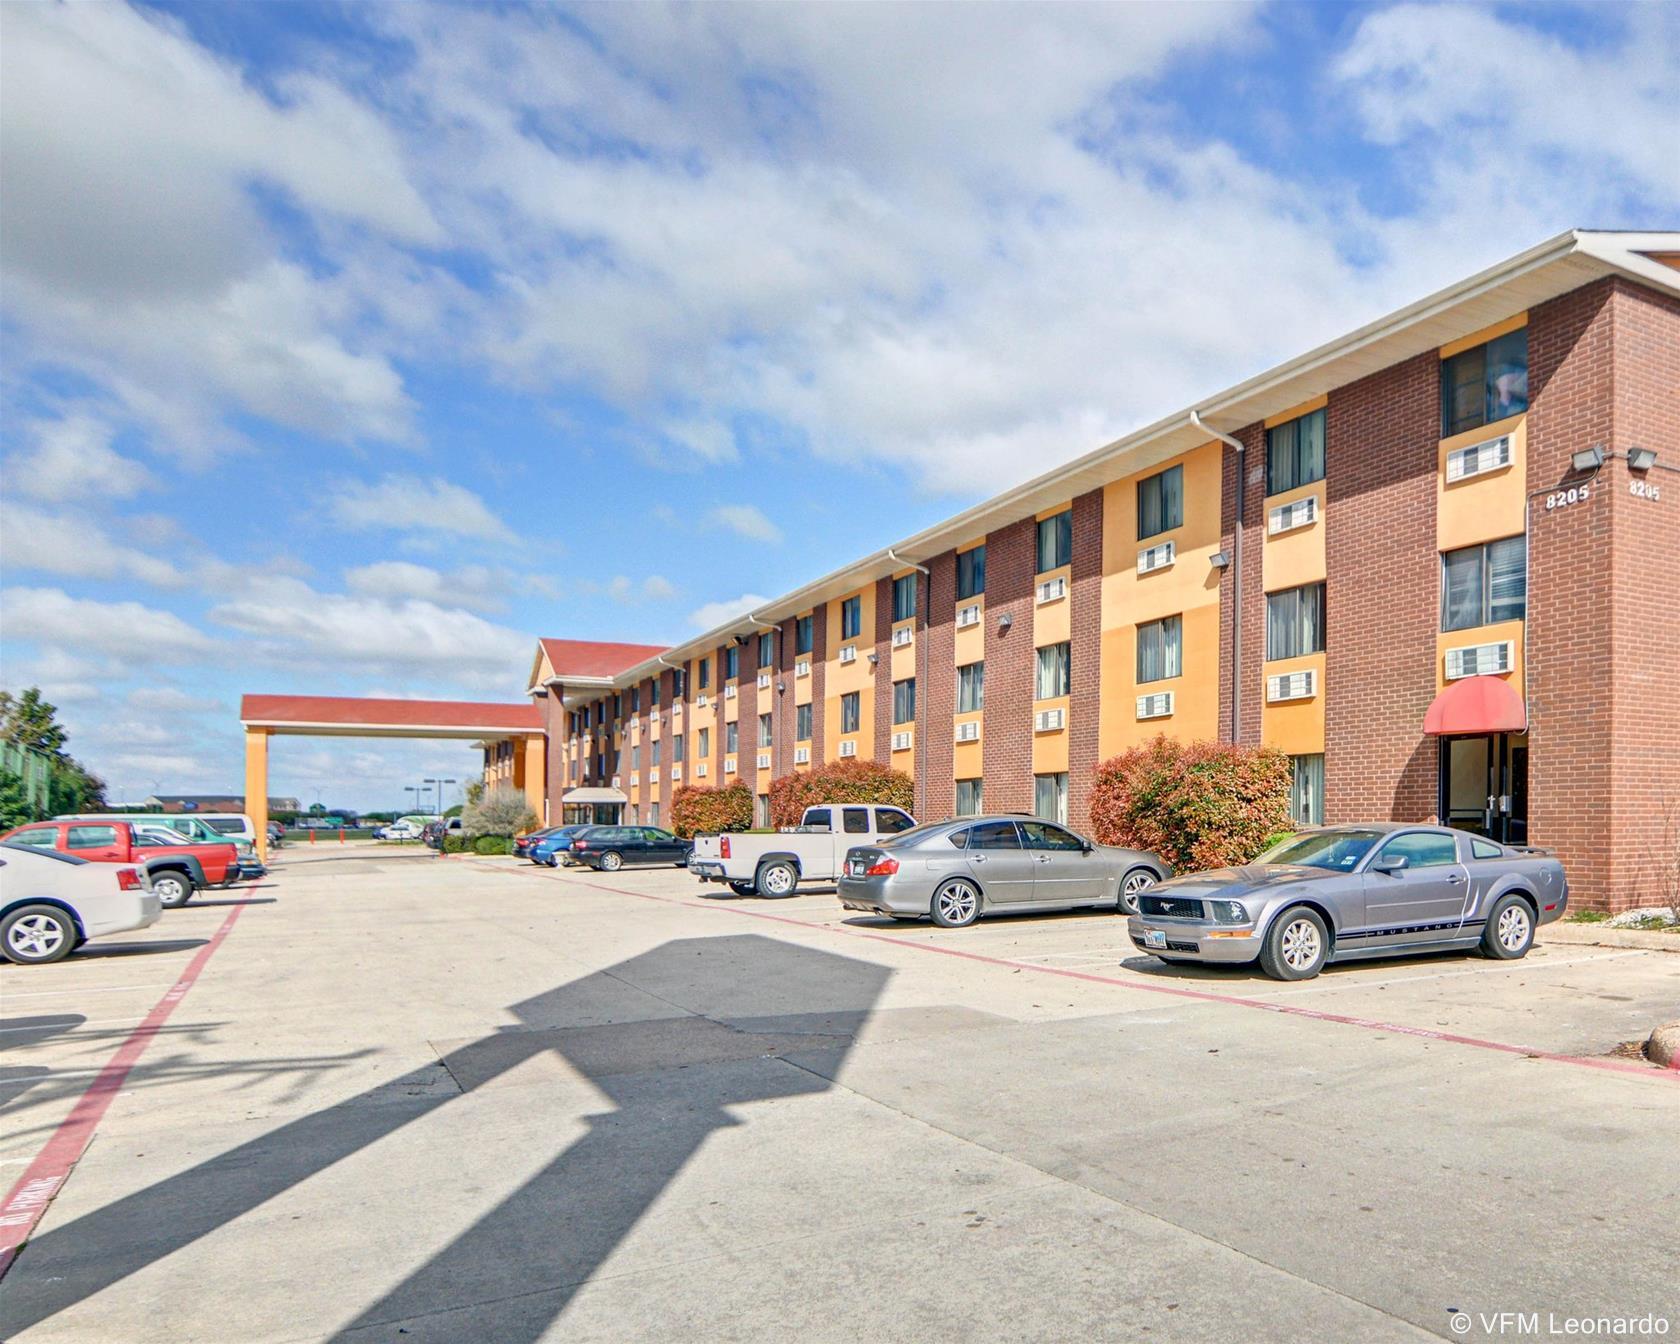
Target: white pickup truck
<point>775,864</point>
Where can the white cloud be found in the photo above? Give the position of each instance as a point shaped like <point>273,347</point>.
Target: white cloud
<point>71,461</point>
<point>77,546</point>
<point>415,504</point>
<point>658,588</point>
<point>746,520</point>
<point>714,614</point>
<point>127,631</point>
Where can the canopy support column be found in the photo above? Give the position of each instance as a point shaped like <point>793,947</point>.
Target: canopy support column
<point>256,786</point>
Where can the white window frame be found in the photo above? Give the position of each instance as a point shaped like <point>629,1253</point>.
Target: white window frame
<point>1158,705</point>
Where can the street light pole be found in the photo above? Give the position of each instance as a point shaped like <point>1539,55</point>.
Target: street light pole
<point>440,785</point>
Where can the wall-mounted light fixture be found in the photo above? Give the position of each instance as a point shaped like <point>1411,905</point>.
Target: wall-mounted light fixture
<point>1588,459</point>
<point>1641,459</point>
<point>874,658</point>
<point>1005,621</point>
<point>1220,560</point>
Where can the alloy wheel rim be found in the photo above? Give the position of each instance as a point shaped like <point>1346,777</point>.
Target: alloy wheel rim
<point>956,903</point>
<point>167,888</point>
<point>1137,882</point>
<point>777,881</point>
<point>1513,928</point>
<point>35,936</point>
<point>1300,944</point>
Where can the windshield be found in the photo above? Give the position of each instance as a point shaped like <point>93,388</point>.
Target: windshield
<point>1335,851</point>
<point>227,825</point>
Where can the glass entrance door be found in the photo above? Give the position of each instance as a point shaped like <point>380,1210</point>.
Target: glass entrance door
<point>1484,786</point>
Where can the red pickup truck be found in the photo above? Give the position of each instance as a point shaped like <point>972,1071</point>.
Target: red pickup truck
<point>176,870</point>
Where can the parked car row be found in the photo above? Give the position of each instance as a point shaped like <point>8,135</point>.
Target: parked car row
<point>604,848</point>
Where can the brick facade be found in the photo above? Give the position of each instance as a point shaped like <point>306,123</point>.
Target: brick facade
<point>1006,738</point>
<point>882,670</point>
<point>936,690</point>
<point>1084,654</point>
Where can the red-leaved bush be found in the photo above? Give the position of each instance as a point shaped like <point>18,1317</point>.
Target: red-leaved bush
<point>848,781</point>
<point>1196,804</point>
<point>696,809</point>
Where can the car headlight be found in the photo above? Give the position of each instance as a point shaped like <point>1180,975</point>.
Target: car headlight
<point>1229,912</point>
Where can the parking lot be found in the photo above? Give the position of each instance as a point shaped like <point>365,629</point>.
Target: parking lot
<point>429,1099</point>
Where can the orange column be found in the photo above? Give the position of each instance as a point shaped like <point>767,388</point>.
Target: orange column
<point>256,786</point>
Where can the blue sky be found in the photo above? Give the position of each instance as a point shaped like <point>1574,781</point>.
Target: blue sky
<point>350,348</point>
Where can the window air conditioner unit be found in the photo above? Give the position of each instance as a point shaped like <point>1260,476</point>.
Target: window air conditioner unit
<point>901,741</point>
<point>701,701</point>
<point>1049,720</point>
<point>848,748</point>
<point>729,691</point>
<point>763,681</point>
<point>969,732</point>
<point>969,615</point>
<point>615,782</point>
<point>902,636</point>
<point>702,770</point>
<point>848,653</point>
<point>1479,660</point>
<point>1287,517</point>
<point>801,755</point>
<point>635,778</point>
<point>728,765</point>
<point>763,760</point>
<point>1157,706</point>
<point>1301,685</point>
<point>1478,458</point>
<point>1054,590</point>
<point>676,772</point>
<point>1157,557</point>
<point>802,668</point>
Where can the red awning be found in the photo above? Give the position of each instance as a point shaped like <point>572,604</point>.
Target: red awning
<point>1476,705</point>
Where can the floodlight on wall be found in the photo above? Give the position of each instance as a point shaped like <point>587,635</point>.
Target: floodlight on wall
<point>874,658</point>
<point>1588,459</point>
<point>1220,560</point>
<point>1005,621</point>
<point>1641,459</point>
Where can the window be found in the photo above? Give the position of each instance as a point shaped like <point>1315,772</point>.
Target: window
<point>731,738</point>
<point>1052,672</point>
<point>851,617</point>
<point>1042,835</point>
<point>653,813</point>
<point>42,837</point>
<point>731,663</point>
<point>1484,849</point>
<point>1484,584</point>
<point>802,723</point>
<point>904,701</point>
<point>1421,849</point>
<point>818,819</point>
<point>1160,649</point>
<point>850,716</point>
<point>804,634</point>
<point>1306,792</point>
<point>890,821</point>
<point>653,754</point>
<point>705,670</point>
<point>971,573</point>
<point>636,752</point>
<point>1055,541</point>
<point>1160,502</point>
<point>1295,621</point>
<point>676,748</point>
<point>993,835</point>
<point>969,798</point>
<point>1295,453</point>
<point>679,683</point>
<point>704,744</point>
<point>636,699</point>
<point>1486,383</point>
<point>765,733</point>
<point>971,687</point>
<point>854,820</point>
<point>766,648</point>
<point>761,811</point>
<point>1050,797</point>
<point>653,693</point>
<point>904,597</point>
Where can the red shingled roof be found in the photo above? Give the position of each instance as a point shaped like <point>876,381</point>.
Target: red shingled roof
<point>587,658</point>
<point>348,711</point>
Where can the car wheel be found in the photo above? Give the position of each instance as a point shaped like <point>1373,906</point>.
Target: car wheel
<point>173,889</point>
<point>1297,945</point>
<point>1135,881</point>
<point>743,888</point>
<point>33,935</point>
<point>1510,929</point>
<point>777,879</point>
<point>611,861</point>
<point>956,904</point>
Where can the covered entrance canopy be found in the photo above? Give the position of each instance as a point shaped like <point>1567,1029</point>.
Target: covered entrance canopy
<point>266,716</point>
<point>602,807</point>
<point>1483,761</point>
<point>1476,705</point>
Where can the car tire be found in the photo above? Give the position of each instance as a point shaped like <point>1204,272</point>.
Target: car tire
<point>1510,929</point>
<point>1297,945</point>
<point>172,888</point>
<point>777,879</point>
<point>33,935</point>
<point>1136,881</point>
<point>743,888</point>
<point>610,862</point>
<point>955,904</point>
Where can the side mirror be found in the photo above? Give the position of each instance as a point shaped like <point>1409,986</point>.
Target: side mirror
<point>1087,847</point>
<point>1390,864</point>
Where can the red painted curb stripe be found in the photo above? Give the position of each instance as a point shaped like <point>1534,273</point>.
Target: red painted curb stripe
<point>46,1175</point>
<point>1670,1073</point>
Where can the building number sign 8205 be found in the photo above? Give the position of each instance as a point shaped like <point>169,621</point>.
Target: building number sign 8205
<point>1644,489</point>
<point>1559,499</point>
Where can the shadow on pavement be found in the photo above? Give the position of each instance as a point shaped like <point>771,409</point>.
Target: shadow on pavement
<point>233,900</point>
<point>94,951</point>
<point>548,1236</point>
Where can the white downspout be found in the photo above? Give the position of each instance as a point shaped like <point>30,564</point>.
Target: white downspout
<point>1236,573</point>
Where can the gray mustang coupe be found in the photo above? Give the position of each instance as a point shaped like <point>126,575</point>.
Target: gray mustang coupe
<point>1342,892</point>
<point>956,871</point>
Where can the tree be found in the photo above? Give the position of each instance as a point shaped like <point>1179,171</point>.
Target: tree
<point>849,781</point>
<point>31,722</point>
<point>14,801</point>
<point>695,808</point>
<point>501,811</point>
<point>1196,804</point>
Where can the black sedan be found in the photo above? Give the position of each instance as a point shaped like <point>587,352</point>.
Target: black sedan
<point>609,848</point>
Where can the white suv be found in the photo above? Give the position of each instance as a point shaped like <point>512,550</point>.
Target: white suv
<point>51,903</point>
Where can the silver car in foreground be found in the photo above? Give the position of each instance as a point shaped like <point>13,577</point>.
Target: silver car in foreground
<point>1338,893</point>
<point>955,871</point>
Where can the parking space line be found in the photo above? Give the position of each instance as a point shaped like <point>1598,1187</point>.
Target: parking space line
<point>1540,965</point>
<point>1174,991</point>
<point>71,989</point>
<point>45,1176</point>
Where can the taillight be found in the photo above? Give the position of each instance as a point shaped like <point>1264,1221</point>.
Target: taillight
<point>723,848</point>
<point>580,844</point>
<point>128,879</point>
<point>885,866</point>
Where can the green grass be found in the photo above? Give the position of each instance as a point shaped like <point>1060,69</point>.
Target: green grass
<point>1587,917</point>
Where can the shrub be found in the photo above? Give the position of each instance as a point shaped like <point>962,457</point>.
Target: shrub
<point>850,781</point>
<point>695,808</point>
<point>457,844</point>
<point>1196,804</point>
<point>492,844</point>
<point>501,811</point>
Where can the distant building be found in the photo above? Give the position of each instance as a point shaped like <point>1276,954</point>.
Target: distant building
<point>214,802</point>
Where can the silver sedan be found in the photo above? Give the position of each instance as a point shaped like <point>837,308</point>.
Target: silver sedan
<point>955,871</point>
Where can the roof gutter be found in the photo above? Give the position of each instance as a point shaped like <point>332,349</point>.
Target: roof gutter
<point>898,559</point>
<point>1236,571</point>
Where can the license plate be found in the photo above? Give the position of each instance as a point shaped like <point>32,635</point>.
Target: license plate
<point>855,868</point>
<point>1154,938</point>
